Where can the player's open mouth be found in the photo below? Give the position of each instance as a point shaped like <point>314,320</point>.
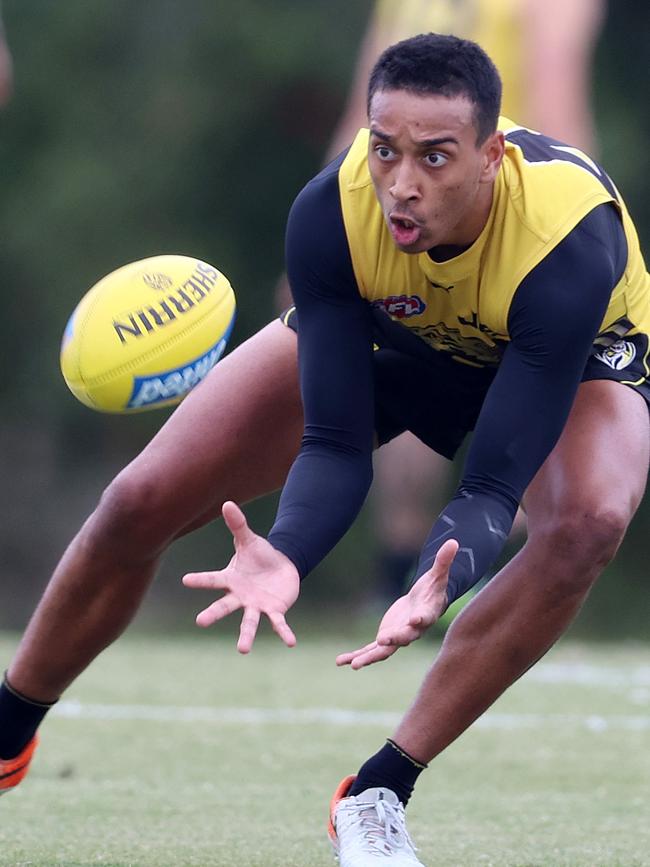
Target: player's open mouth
<point>404,231</point>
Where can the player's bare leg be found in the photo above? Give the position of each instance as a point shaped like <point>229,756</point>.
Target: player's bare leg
<point>579,506</point>
<point>234,437</point>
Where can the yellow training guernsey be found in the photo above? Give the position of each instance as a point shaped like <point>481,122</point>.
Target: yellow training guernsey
<point>460,306</point>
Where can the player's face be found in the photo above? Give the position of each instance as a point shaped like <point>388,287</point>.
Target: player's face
<point>433,182</point>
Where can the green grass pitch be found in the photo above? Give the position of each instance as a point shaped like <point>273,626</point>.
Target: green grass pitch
<point>176,751</point>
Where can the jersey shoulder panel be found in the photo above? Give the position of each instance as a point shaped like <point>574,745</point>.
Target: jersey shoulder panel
<point>360,208</point>
<point>551,183</point>
<point>552,187</point>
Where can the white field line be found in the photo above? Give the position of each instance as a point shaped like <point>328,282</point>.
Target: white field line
<point>332,716</point>
<point>636,678</point>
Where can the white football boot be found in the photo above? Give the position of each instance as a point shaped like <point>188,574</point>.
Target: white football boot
<point>369,830</point>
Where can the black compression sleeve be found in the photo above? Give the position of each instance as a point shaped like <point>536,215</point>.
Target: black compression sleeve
<point>553,320</point>
<point>330,478</point>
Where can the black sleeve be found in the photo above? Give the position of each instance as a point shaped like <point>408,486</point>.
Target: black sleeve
<point>330,478</point>
<point>553,320</point>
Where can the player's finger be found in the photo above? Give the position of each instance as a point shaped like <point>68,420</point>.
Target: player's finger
<point>236,523</point>
<point>346,658</point>
<point>420,624</point>
<point>248,630</point>
<point>218,610</point>
<point>445,555</point>
<point>206,580</point>
<point>282,628</point>
<point>376,655</point>
<point>422,620</point>
<point>397,637</point>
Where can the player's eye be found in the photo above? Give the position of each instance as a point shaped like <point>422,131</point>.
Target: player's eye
<point>384,153</point>
<point>436,159</point>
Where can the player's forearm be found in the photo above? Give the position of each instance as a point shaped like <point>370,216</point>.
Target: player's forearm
<point>324,491</point>
<point>480,523</point>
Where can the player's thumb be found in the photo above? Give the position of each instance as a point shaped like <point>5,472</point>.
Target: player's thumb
<point>236,523</point>
<point>446,554</point>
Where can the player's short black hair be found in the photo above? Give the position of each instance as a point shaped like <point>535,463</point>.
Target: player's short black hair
<point>447,65</point>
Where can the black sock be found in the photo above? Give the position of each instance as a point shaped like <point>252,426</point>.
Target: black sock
<point>390,768</point>
<point>19,718</point>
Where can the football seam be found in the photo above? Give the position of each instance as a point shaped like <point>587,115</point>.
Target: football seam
<point>81,381</point>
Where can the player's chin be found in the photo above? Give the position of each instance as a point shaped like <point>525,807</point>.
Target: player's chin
<point>419,246</point>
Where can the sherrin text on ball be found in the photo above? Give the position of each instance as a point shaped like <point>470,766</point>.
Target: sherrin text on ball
<point>147,333</point>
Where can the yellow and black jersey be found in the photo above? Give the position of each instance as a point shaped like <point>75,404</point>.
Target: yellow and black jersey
<point>543,190</point>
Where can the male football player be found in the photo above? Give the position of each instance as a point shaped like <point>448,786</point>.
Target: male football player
<point>451,272</point>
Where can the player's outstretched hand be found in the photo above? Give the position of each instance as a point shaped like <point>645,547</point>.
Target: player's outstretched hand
<point>259,579</point>
<point>410,615</point>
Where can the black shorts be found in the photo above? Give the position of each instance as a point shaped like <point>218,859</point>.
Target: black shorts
<point>439,399</point>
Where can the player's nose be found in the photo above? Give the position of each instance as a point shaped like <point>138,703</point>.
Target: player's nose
<point>404,186</point>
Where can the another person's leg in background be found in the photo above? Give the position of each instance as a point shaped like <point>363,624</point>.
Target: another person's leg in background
<point>6,69</point>
<point>409,489</point>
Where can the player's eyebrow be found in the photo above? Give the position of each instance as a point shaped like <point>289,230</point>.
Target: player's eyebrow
<point>425,143</point>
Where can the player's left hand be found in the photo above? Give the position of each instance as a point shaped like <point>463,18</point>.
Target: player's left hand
<point>409,616</point>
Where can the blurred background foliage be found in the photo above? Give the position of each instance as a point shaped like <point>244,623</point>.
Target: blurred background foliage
<point>141,128</point>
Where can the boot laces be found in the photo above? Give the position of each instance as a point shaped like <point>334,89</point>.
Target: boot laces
<point>383,829</point>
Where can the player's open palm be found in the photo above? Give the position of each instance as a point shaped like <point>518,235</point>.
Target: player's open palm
<point>259,579</point>
<point>409,616</point>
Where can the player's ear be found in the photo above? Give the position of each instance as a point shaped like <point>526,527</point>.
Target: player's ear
<point>492,151</point>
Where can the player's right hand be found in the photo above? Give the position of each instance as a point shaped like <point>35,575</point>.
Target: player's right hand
<point>259,579</point>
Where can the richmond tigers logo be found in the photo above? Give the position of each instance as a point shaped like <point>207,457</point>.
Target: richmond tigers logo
<point>619,355</point>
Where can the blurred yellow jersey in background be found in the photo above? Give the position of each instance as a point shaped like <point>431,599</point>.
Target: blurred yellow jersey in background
<point>497,26</point>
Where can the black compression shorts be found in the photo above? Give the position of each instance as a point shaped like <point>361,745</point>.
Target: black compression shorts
<point>439,400</point>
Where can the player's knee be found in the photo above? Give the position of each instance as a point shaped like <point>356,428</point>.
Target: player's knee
<point>583,541</point>
<point>131,519</point>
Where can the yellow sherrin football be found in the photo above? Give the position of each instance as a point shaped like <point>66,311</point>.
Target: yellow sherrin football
<point>147,333</point>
